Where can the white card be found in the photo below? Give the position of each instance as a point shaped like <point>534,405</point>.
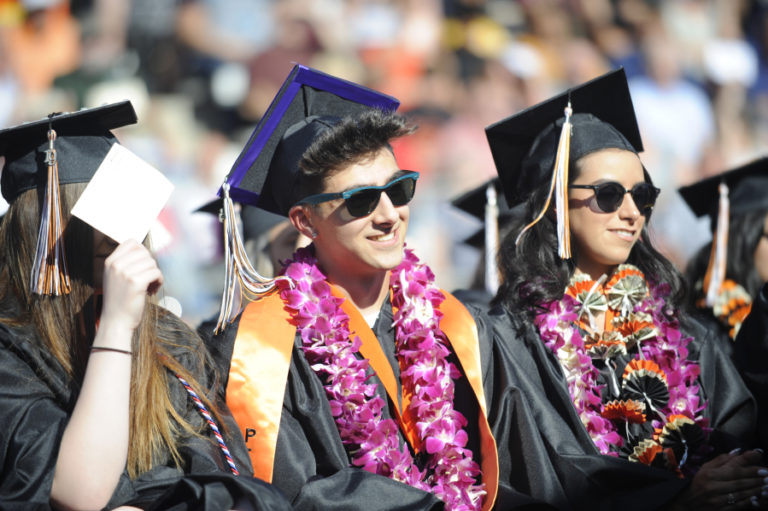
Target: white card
<point>124,196</point>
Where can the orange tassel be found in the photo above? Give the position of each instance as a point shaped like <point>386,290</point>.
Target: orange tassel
<point>49,269</point>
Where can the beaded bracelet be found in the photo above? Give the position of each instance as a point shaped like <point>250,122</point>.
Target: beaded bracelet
<point>116,350</point>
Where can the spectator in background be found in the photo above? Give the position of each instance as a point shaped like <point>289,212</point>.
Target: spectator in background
<point>677,119</point>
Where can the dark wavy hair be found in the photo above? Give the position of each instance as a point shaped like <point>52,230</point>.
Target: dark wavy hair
<point>351,141</point>
<point>533,273</point>
<point>744,233</point>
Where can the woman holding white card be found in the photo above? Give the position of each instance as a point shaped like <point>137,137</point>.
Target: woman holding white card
<point>103,393</point>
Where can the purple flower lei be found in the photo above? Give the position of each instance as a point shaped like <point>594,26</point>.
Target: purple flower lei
<point>560,332</point>
<point>372,441</point>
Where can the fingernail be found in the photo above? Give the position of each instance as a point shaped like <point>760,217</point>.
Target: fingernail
<point>765,492</point>
<point>763,472</point>
<point>735,451</point>
<point>757,449</point>
<point>753,500</point>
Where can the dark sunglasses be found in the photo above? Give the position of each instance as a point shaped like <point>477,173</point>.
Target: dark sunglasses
<point>611,194</point>
<point>362,201</point>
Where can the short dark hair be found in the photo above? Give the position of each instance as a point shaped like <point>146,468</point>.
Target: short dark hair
<point>351,141</point>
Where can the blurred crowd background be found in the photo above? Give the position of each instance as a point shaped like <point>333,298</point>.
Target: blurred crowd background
<point>200,74</point>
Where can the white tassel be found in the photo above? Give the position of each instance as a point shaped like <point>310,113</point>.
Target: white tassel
<point>241,280</point>
<point>49,274</point>
<point>491,240</point>
<point>715,276</point>
<point>559,187</point>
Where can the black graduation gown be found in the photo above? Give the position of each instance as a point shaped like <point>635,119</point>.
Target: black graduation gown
<point>750,354</point>
<point>312,466</point>
<point>546,452</point>
<point>36,399</point>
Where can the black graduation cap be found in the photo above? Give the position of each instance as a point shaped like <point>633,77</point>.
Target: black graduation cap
<point>747,190</point>
<point>475,202</point>
<point>524,145</point>
<point>308,102</point>
<point>60,149</point>
<point>83,139</point>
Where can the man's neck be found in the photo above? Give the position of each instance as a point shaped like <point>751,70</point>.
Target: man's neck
<point>367,294</point>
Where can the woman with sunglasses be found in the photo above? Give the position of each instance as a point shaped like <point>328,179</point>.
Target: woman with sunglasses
<point>590,328</point>
<point>350,392</point>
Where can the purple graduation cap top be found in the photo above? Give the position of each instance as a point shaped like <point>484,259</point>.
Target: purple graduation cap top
<point>308,102</point>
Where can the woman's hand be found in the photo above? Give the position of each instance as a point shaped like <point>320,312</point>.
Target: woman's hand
<point>94,446</point>
<point>130,273</point>
<point>730,482</point>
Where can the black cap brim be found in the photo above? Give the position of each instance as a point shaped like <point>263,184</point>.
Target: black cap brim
<point>607,98</point>
<point>83,138</point>
<point>474,201</point>
<point>747,185</point>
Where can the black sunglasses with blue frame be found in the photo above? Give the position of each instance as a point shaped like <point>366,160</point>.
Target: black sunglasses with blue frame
<point>362,201</point>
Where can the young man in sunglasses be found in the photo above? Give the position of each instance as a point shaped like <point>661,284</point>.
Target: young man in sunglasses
<point>356,382</point>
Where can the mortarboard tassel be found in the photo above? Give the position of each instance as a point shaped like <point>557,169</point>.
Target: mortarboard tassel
<point>491,240</point>
<point>240,278</point>
<point>718,256</point>
<point>49,269</point>
<point>559,187</point>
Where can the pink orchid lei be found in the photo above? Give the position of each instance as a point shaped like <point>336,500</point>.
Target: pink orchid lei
<point>373,441</point>
<point>560,331</point>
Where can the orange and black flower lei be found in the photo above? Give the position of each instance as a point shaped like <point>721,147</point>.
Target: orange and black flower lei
<point>731,307</point>
<point>649,407</point>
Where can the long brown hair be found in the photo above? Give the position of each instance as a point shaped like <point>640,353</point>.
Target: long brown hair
<point>66,326</point>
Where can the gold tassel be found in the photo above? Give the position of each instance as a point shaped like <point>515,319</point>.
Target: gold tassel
<point>559,187</point>
<point>241,280</point>
<point>718,256</point>
<point>491,240</point>
<point>49,269</point>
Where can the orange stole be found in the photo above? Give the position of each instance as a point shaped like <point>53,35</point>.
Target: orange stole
<point>258,374</point>
<point>263,345</point>
<point>460,329</point>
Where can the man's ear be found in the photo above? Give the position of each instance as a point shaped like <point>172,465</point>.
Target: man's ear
<point>301,218</point>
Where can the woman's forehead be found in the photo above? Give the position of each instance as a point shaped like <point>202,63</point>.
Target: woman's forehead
<point>611,164</point>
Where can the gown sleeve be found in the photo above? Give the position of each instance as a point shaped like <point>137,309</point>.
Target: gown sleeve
<point>751,359</point>
<point>544,450</point>
<point>32,422</point>
<point>731,408</point>
<point>312,467</point>
<point>506,420</point>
